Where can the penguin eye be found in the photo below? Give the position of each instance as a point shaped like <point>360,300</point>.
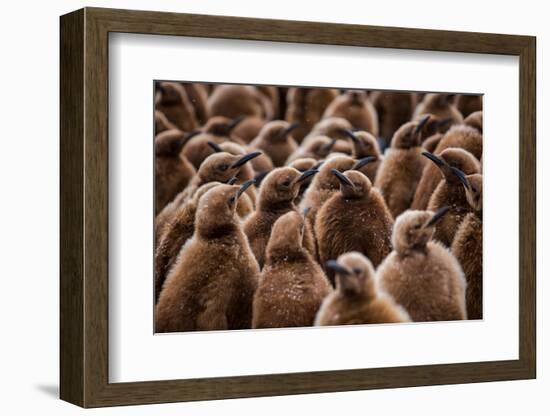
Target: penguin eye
<point>286,183</point>
<point>417,226</point>
<point>224,167</point>
<point>356,270</point>
<point>474,190</point>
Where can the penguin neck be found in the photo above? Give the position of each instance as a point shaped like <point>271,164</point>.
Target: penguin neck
<point>412,250</point>
<point>284,253</point>
<point>222,231</point>
<point>276,207</point>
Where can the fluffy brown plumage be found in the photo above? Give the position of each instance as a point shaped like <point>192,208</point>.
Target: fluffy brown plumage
<point>468,103</point>
<point>276,141</point>
<point>356,299</point>
<point>239,100</point>
<point>441,106</point>
<point>394,109</point>
<point>249,128</point>
<point>174,103</point>
<point>292,285</point>
<point>319,147</point>
<point>162,123</point>
<point>355,107</point>
<point>365,145</point>
<point>422,275</point>
<point>212,284</point>
<point>475,120</point>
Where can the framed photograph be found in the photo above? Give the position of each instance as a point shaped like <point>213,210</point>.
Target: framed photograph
<point>255,207</point>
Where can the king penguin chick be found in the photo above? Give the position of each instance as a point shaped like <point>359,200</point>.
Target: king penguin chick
<point>278,192</point>
<point>356,300</point>
<point>422,275</point>
<point>212,284</point>
<point>333,127</point>
<point>354,219</point>
<point>292,285</point>
<point>172,170</point>
<point>475,120</point>
<point>449,193</point>
<point>275,140</point>
<point>174,103</point>
<point>239,100</point>
<point>394,109</point>
<point>180,229</point>
<point>468,103</point>
<point>441,106</point>
<point>431,175</point>
<point>306,106</point>
<point>319,147</point>
<point>249,128</point>
<point>162,123</point>
<point>468,247</point>
<point>198,95</point>
<point>355,107</point>
<point>365,145</point>
<point>463,136</point>
<point>401,169</point>
<point>302,165</point>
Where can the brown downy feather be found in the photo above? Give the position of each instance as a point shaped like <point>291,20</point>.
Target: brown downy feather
<point>475,120</point>
<point>355,107</point>
<point>174,103</point>
<point>276,141</point>
<point>440,106</point>
<point>365,145</point>
<point>354,219</point>
<point>292,285</point>
<point>356,300</point>
<point>162,123</point>
<point>394,109</point>
<point>333,127</point>
<point>422,275</point>
<point>249,128</point>
<point>319,147</point>
<point>239,100</point>
<point>198,95</point>
<point>468,104</point>
<point>212,284</point>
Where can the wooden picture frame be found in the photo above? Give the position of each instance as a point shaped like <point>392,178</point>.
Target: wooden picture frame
<point>84,207</point>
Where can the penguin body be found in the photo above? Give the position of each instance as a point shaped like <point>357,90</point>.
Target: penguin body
<point>239,100</point>
<point>394,109</point>
<point>475,120</point>
<point>355,107</point>
<point>276,141</point>
<point>174,103</point>
<point>162,123</point>
<point>468,104</point>
<point>249,128</point>
<point>465,137</point>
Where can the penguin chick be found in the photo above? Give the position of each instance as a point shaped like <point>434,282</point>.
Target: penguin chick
<point>212,284</point>
<point>468,103</point>
<point>198,95</point>
<point>319,147</point>
<point>172,170</point>
<point>401,169</point>
<point>278,191</point>
<point>431,142</point>
<point>440,106</point>
<point>394,109</point>
<point>239,100</point>
<point>465,137</point>
<point>275,140</point>
<point>431,175</point>
<point>162,123</point>
<point>355,107</point>
<point>180,229</point>
<point>174,103</point>
<point>302,165</point>
<point>354,219</point>
<point>249,128</point>
<point>365,145</point>
<point>475,120</point>
<point>333,127</point>
<point>422,275</point>
<point>449,193</point>
<point>292,285</point>
<point>306,106</point>
<point>356,300</point>
<point>468,247</point>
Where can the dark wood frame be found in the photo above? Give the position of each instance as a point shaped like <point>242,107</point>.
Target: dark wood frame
<point>84,207</point>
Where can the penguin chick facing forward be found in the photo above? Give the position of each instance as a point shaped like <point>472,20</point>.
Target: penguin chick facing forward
<point>394,109</point>
<point>275,140</point>
<point>365,145</point>
<point>441,106</point>
<point>468,247</point>
<point>354,219</point>
<point>173,102</point>
<point>356,300</point>
<point>292,285</point>
<point>420,274</point>
<point>355,107</point>
<point>239,100</point>
<point>278,191</point>
<point>401,169</point>
<point>212,284</point>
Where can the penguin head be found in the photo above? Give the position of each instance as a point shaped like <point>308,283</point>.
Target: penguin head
<point>353,183</point>
<point>454,161</point>
<point>355,97</point>
<point>222,166</point>
<point>326,179</point>
<point>278,131</point>
<point>281,186</point>
<point>354,274</point>
<point>332,127</point>
<point>364,143</point>
<point>169,143</point>
<point>244,203</point>
<point>473,186</point>
<point>304,163</point>
<point>413,229</point>
<point>438,100</point>
<point>320,146</point>
<point>475,120</point>
<point>286,235</point>
<point>410,134</point>
<point>221,126</point>
<point>170,93</point>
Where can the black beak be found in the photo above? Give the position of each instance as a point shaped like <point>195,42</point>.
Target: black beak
<point>306,174</point>
<point>342,178</point>
<point>365,161</point>
<point>245,159</point>
<point>318,164</point>
<point>159,87</point>
<point>234,123</point>
<point>440,163</point>
<point>350,134</point>
<point>241,190</point>
<point>443,123</point>
<point>291,128</point>
<point>260,177</point>
<point>337,268</point>
<point>305,211</point>
<point>421,124</point>
<point>461,177</point>
<point>437,216</point>
<point>215,146</point>
<point>232,181</point>
<point>327,147</point>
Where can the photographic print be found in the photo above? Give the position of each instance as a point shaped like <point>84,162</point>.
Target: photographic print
<point>279,207</point>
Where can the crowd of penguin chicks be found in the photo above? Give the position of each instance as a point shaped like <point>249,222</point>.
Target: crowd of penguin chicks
<point>292,207</point>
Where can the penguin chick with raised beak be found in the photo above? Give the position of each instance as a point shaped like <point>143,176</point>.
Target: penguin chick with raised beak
<point>441,106</point>
<point>180,229</point>
<point>354,219</point>
<point>468,247</point>
<point>278,192</point>
<point>356,300</point>
<point>449,192</point>
<point>394,109</point>
<point>212,284</point>
<point>401,169</point>
<point>355,107</point>
<point>420,274</point>
<point>302,165</point>
<point>292,284</point>
<point>173,102</point>
<point>365,145</point>
<point>275,140</point>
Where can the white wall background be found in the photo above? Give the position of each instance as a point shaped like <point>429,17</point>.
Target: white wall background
<point>29,210</point>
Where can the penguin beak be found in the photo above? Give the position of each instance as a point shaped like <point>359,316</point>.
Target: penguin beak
<point>290,129</point>
<point>260,177</point>
<point>318,164</point>
<point>234,123</point>
<point>337,268</point>
<point>328,147</point>
<point>421,124</point>
<point>350,134</point>
<point>461,177</point>
<point>437,216</point>
<point>308,173</point>
<point>245,159</point>
<point>241,190</point>
<point>342,178</point>
<point>440,163</point>
<point>215,146</point>
<point>440,124</point>
<point>232,181</point>
<point>191,134</point>
<point>363,162</point>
